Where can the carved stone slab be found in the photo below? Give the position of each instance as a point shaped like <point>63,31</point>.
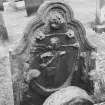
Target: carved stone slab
<point>53,54</point>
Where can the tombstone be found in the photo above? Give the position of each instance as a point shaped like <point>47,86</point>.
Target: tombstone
<point>53,54</point>
<point>32,6</point>
<point>1,5</point>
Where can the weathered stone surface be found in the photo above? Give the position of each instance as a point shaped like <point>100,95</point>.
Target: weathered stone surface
<point>53,53</point>
<point>6,90</point>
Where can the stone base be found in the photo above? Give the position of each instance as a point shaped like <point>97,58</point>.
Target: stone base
<point>99,28</point>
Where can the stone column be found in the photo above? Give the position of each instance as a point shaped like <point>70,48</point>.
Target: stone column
<point>100,11</point>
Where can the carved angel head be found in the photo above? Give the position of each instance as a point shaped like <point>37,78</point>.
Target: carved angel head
<point>55,20</point>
